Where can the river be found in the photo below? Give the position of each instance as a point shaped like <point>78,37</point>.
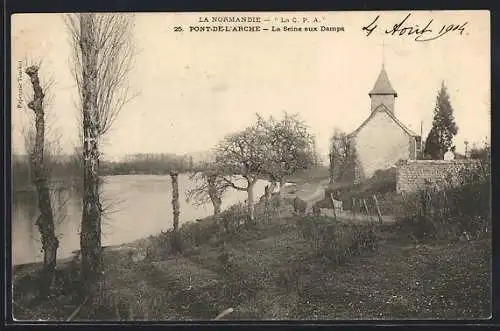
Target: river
<point>137,206</point>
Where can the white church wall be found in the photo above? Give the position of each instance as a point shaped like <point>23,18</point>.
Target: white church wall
<point>380,144</point>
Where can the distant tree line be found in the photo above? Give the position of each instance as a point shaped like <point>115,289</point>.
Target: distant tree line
<point>58,170</point>
<point>150,164</point>
<point>69,168</point>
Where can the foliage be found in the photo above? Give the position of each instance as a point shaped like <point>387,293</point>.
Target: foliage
<point>443,128</point>
<point>288,146</point>
<point>209,187</point>
<point>195,234</point>
<point>480,153</point>
<point>102,42</point>
<point>458,208</point>
<point>337,241</point>
<point>148,164</point>
<point>340,151</point>
<point>242,154</point>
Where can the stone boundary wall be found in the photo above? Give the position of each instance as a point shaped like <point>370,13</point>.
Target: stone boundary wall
<point>414,174</point>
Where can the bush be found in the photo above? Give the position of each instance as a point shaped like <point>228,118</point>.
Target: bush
<point>337,241</point>
<point>234,217</point>
<point>195,234</point>
<point>457,208</point>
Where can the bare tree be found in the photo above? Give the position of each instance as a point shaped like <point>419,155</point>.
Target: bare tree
<point>289,147</point>
<point>102,57</point>
<point>45,221</point>
<point>210,187</point>
<point>242,154</point>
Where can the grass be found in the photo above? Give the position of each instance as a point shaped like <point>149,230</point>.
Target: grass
<point>278,276</point>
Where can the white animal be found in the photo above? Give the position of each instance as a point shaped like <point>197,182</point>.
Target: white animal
<point>338,205</point>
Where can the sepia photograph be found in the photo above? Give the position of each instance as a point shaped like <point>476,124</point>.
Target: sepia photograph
<point>251,166</point>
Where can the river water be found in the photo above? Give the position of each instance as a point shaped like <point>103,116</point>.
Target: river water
<point>137,206</point>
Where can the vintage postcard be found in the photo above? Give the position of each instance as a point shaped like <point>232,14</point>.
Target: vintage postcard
<point>251,166</point>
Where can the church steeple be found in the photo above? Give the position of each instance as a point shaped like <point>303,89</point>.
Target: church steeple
<point>382,92</point>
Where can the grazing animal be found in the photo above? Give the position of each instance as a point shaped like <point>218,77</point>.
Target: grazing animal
<point>299,206</point>
<point>338,205</point>
<point>302,207</point>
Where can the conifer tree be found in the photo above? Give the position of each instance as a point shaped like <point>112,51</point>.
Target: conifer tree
<point>444,128</point>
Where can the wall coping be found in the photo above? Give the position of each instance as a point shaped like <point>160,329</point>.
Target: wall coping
<point>443,162</point>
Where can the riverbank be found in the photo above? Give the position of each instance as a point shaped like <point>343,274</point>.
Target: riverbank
<point>277,269</point>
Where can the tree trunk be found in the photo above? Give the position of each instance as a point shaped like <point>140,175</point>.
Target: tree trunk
<point>282,188</point>
<point>214,196</point>
<point>45,221</point>
<point>266,203</point>
<point>331,167</point>
<point>217,202</point>
<point>250,203</point>
<point>272,187</point>
<point>176,243</point>
<point>90,235</point>
<point>175,200</point>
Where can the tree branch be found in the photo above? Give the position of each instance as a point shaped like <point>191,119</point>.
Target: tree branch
<point>231,184</point>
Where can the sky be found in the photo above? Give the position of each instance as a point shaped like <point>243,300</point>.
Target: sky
<point>193,88</point>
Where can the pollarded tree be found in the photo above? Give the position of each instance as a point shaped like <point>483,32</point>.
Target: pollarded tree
<point>444,128</point>
<point>40,173</point>
<point>209,187</point>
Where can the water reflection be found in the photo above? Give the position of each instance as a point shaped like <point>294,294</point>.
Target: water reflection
<point>135,207</point>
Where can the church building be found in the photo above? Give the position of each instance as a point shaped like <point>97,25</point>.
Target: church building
<point>381,140</point>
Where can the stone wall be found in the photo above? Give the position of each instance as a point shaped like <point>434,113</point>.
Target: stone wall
<point>414,174</point>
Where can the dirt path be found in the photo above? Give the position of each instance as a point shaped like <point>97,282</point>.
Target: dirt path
<point>307,191</point>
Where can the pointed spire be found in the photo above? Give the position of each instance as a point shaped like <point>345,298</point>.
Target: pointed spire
<point>383,55</point>
<point>383,85</point>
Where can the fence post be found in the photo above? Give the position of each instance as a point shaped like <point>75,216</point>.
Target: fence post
<point>333,205</point>
<point>378,209</point>
<point>353,208</point>
<point>367,211</point>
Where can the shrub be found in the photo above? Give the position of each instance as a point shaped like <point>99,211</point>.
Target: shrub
<point>336,241</point>
<point>194,234</point>
<point>234,217</point>
<point>460,206</point>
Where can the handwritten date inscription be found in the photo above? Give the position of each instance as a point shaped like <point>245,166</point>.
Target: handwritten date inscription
<point>422,32</point>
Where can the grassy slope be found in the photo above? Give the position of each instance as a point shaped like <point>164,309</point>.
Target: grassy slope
<point>276,277</point>
<point>270,273</point>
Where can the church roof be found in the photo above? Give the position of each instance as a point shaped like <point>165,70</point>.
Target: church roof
<point>383,85</point>
<point>383,108</point>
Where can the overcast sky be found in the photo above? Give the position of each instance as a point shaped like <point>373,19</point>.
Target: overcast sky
<point>193,88</point>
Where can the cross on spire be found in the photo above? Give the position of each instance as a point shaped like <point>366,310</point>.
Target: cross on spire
<point>383,54</point>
